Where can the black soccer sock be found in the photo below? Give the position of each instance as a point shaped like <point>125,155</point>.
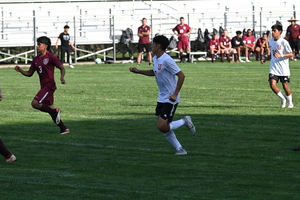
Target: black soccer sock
<point>47,109</point>
<point>3,150</point>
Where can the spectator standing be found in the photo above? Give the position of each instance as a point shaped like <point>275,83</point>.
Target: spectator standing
<point>183,31</point>
<point>225,44</point>
<point>238,44</point>
<point>65,40</point>
<point>249,42</point>
<point>293,36</point>
<point>262,46</point>
<point>144,42</point>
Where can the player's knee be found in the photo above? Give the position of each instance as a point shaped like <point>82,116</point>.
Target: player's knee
<point>35,104</point>
<point>163,128</point>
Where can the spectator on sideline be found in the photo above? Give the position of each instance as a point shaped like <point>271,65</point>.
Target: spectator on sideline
<point>8,156</point>
<point>183,31</point>
<point>165,71</point>
<point>293,36</point>
<point>279,65</point>
<point>214,46</point>
<point>144,42</point>
<point>225,44</point>
<point>262,46</point>
<point>249,42</point>
<point>64,37</point>
<point>239,46</point>
<point>44,64</point>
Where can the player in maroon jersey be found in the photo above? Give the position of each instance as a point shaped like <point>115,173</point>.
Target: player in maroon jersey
<point>183,31</point>
<point>249,42</point>
<point>44,64</point>
<point>262,47</point>
<point>144,41</point>
<point>8,157</point>
<point>214,46</point>
<point>293,36</point>
<point>225,44</point>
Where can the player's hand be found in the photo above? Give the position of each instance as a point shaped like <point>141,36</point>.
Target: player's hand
<point>262,61</point>
<point>133,69</point>
<point>277,55</point>
<point>173,97</point>
<point>17,68</point>
<point>62,80</point>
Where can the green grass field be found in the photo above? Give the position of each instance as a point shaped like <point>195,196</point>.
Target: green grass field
<point>242,149</point>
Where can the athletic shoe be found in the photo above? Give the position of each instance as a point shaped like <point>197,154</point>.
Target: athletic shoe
<point>180,152</point>
<point>297,149</point>
<point>189,124</point>
<point>12,158</point>
<point>283,103</point>
<point>248,60</point>
<point>291,105</point>
<point>67,131</point>
<point>57,119</point>
<point>71,66</point>
<point>241,61</point>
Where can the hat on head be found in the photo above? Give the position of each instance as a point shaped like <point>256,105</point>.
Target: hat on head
<point>66,26</point>
<point>293,19</point>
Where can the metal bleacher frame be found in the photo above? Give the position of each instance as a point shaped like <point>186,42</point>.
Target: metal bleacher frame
<point>101,22</point>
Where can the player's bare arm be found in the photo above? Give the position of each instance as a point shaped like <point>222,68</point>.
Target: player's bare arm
<point>180,81</point>
<point>56,46</point>
<point>28,73</point>
<point>144,72</point>
<point>62,74</point>
<point>71,43</point>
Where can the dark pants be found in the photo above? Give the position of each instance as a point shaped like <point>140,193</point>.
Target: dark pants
<point>63,51</point>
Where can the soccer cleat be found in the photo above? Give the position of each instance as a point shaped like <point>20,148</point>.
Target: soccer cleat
<point>189,124</point>
<point>67,131</point>
<point>241,61</point>
<point>71,66</point>
<point>297,149</point>
<point>180,152</point>
<point>12,158</point>
<point>283,103</point>
<point>291,105</point>
<point>248,60</point>
<point>57,119</point>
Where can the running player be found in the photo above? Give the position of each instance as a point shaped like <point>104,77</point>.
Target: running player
<point>279,65</point>
<point>183,31</point>
<point>165,70</point>
<point>44,64</point>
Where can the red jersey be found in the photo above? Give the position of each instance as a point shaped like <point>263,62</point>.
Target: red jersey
<point>259,43</point>
<point>248,40</point>
<point>44,65</point>
<point>144,39</point>
<point>294,32</point>
<point>181,29</point>
<point>225,41</point>
<point>214,44</point>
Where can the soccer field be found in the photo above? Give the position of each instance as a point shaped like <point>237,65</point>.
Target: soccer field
<point>242,148</point>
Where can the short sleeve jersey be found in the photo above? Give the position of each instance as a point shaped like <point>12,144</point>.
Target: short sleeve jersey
<point>181,29</point>
<point>249,40</point>
<point>44,65</point>
<point>294,32</point>
<point>237,42</point>
<point>259,43</point>
<point>165,70</point>
<point>144,39</point>
<point>214,44</point>
<point>64,38</point>
<point>225,41</point>
<point>279,66</point>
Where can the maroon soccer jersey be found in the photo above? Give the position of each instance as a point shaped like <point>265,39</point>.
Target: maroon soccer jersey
<point>44,65</point>
<point>248,40</point>
<point>214,44</point>
<point>294,31</point>
<point>259,43</point>
<point>182,29</point>
<point>144,39</point>
<point>225,41</point>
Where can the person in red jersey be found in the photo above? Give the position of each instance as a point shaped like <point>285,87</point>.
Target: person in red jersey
<point>262,47</point>
<point>44,64</point>
<point>183,31</point>
<point>293,36</point>
<point>249,42</point>
<point>8,156</point>
<point>225,44</point>
<point>144,42</point>
<point>214,46</point>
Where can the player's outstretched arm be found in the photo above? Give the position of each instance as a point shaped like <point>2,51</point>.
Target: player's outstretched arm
<point>28,73</point>
<point>62,74</point>
<point>144,72</point>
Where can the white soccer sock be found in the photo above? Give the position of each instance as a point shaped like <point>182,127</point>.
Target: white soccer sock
<point>176,124</point>
<point>280,95</point>
<point>289,98</point>
<point>171,137</point>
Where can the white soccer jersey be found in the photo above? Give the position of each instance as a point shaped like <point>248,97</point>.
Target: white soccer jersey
<point>279,66</point>
<point>165,69</point>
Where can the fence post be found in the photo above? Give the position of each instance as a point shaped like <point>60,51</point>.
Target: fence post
<point>253,17</point>
<point>34,34</point>
<point>75,51</point>
<point>2,31</point>
<point>114,41</point>
<point>260,21</point>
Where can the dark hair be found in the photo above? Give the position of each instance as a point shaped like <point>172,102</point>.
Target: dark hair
<point>238,32</point>
<point>265,34</point>
<point>181,18</point>
<point>144,19</point>
<point>162,40</point>
<point>277,26</point>
<point>45,40</point>
<point>249,30</point>
<point>66,26</point>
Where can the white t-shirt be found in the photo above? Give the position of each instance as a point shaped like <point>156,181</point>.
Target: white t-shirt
<point>279,66</point>
<point>165,70</point>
